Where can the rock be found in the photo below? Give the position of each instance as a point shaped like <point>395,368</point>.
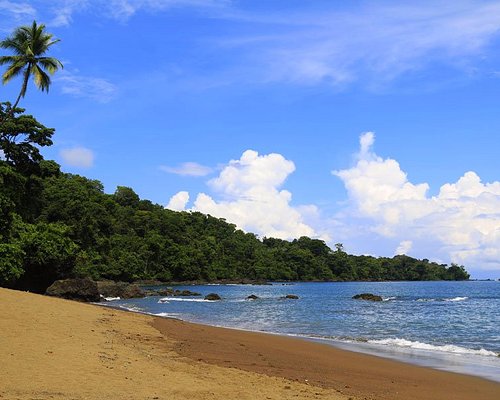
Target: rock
<point>132,292</point>
<point>186,293</point>
<point>367,296</point>
<point>290,296</point>
<point>213,297</point>
<point>164,292</point>
<point>123,290</point>
<point>74,289</point>
<point>253,297</point>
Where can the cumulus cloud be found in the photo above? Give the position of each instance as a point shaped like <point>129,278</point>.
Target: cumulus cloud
<point>404,247</point>
<point>78,157</point>
<point>188,169</point>
<point>251,197</point>
<point>462,221</point>
<point>178,201</point>
<point>74,84</point>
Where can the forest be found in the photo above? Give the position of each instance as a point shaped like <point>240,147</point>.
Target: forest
<point>55,225</point>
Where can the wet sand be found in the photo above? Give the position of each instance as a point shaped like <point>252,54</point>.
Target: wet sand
<point>57,349</point>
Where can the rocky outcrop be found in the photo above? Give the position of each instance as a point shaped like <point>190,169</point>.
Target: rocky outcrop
<point>212,297</point>
<point>290,296</point>
<point>122,290</point>
<point>74,289</point>
<point>171,292</point>
<point>367,296</point>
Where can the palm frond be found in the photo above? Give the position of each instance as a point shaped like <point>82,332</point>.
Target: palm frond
<point>12,44</point>
<point>41,78</point>
<point>8,59</point>
<point>50,64</point>
<point>13,71</point>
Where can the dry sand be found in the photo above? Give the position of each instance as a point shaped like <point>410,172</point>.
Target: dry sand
<point>57,349</point>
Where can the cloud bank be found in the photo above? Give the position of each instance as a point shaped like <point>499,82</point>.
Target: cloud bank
<point>461,223</point>
<point>250,196</point>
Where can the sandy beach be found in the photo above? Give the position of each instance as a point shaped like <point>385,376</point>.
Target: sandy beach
<point>57,349</point>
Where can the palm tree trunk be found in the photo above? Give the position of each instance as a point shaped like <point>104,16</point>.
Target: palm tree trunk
<point>23,88</point>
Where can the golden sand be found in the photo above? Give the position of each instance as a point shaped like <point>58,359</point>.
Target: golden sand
<point>57,349</point>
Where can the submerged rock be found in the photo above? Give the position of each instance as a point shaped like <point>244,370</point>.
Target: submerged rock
<point>291,297</point>
<point>186,293</point>
<point>367,296</point>
<point>253,297</point>
<point>74,289</point>
<point>212,296</point>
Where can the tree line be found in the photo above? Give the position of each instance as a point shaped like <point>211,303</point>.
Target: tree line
<point>55,225</point>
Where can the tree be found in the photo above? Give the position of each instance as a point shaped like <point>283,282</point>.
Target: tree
<point>29,44</point>
<point>19,137</point>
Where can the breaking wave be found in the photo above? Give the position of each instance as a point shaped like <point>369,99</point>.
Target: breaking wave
<point>448,348</point>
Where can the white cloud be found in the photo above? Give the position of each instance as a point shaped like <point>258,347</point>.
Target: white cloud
<point>178,201</point>
<point>369,43</point>
<point>188,169</point>
<point>251,197</point>
<point>17,8</point>
<point>121,10</point>
<point>76,85</point>
<point>404,247</point>
<point>461,223</point>
<point>124,9</point>
<point>78,157</point>
<point>15,13</point>
<point>64,10</point>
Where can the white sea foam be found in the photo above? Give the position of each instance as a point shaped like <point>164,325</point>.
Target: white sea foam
<point>166,314</point>
<point>111,298</point>
<point>169,299</point>
<point>389,298</point>
<point>451,299</point>
<point>456,299</point>
<point>448,348</point>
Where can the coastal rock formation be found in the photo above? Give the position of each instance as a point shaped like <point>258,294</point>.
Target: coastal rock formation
<point>212,296</point>
<point>74,289</point>
<point>253,297</point>
<point>367,296</point>
<point>291,297</point>
<point>171,292</point>
<point>123,290</point>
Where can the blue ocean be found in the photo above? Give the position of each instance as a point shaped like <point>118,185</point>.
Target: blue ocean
<point>452,326</point>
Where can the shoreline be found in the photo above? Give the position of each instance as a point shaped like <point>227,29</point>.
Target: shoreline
<point>321,364</point>
<point>60,349</point>
<point>484,366</point>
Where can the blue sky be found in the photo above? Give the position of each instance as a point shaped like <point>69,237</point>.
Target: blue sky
<point>371,123</point>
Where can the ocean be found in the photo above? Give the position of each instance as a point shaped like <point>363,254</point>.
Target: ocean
<point>453,326</point>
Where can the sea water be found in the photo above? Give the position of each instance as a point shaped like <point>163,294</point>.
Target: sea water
<point>452,326</point>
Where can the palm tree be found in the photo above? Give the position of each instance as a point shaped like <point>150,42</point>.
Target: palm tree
<point>29,44</point>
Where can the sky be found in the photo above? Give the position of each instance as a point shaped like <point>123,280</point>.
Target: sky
<point>375,124</point>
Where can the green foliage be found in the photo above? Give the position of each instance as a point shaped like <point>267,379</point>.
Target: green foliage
<point>50,254</point>
<point>20,136</point>
<point>11,263</point>
<point>29,45</point>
